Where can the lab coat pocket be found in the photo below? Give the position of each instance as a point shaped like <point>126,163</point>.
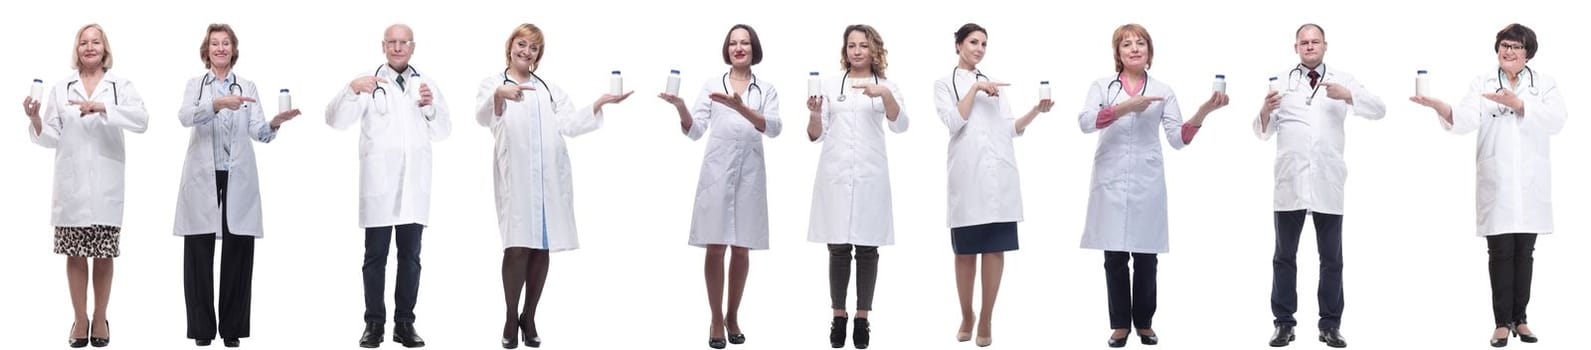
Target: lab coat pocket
<point>374,177</point>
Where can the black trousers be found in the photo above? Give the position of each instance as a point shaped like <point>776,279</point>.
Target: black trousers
<point>377,242</point>
<point>237,275</point>
<point>1284,267</point>
<point>840,275</point>
<point>1510,263</point>
<point>1131,303</point>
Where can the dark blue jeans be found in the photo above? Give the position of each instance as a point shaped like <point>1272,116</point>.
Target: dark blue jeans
<point>377,241</point>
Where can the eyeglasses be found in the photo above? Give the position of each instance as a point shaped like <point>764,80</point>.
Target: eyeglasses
<point>1510,46</point>
<point>398,42</point>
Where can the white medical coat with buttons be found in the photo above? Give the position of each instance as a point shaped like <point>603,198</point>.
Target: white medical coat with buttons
<point>1310,171</point>
<point>983,186</point>
<point>198,208</point>
<point>531,172</point>
<point>1127,195</point>
<point>394,147</point>
<point>851,200</point>
<point>1513,166</point>
<point>732,193</point>
<point>90,152</point>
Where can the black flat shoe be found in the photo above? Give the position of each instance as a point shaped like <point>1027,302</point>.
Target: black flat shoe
<point>202,342</point>
<point>1117,342</point>
<point>1283,336</point>
<point>1528,338</point>
<point>837,332</point>
<point>863,333</point>
<point>371,338</point>
<point>404,333</point>
<point>737,338</point>
<point>77,342</point>
<point>97,341</point>
<point>530,340</point>
<point>231,343</point>
<point>716,343</point>
<point>1333,338</point>
<point>1148,339</point>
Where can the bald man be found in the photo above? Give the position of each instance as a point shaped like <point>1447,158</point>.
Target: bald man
<point>400,113</point>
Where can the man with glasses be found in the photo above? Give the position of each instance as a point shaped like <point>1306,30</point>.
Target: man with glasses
<point>1310,173</point>
<point>400,113</point>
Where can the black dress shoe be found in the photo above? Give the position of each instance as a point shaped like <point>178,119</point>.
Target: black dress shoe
<point>737,338</point>
<point>1500,342</point>
<point>1333,338</point>
<point>371,338</point>
<point>531,339</point>
<point>202,342</point>
<point>1282,336</point>
<point>97,341</point>
<point>77,342</point>
<point>404,333</point>
<point>231,343</point>
<point>837,332</point>
<point>1528,338</point>
<point>863,333</point>
<point>716,343</point>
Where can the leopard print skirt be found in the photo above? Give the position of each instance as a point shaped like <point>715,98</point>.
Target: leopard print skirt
<point>99,241</point>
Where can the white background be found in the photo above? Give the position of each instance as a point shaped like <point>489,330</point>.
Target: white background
<point>1416,275</point>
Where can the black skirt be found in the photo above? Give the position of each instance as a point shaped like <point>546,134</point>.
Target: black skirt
<point>985,238</point>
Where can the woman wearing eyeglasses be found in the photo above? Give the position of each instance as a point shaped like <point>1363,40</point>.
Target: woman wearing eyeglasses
<point>985,198</point>
<point>530,118</point>
<point>1515,111</point>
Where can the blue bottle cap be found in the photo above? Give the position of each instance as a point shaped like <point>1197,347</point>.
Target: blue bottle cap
<point>1273,78</point>
<point>1046,82</point>
<point>1220,76</point>
<point>615,72</point>
<point>38,80</point>
<point>1422,71</point>
<point>284,91</point>
<point>673,71</point>
<point>814,74</point>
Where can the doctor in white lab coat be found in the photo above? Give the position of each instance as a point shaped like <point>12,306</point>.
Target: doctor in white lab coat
<point>851,193</point>
<point>84,118</point>
<point>400,113</point>
<point>731,211</point>
<point>1516,112</point>
<point>1306,115</point>
<point>529,118</point>
<point>984,202</point>
<point>219,197</point>
<point>1127,195</point>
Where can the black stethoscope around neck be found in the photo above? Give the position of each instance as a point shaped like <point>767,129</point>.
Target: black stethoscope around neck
<point>725,82</point>
<point>977,76</point>
<point>510,81</point>
<point>1121,87</point>
<point>847,76</point>
<point>1296,76</point>
<point>210,78</point>
<point>1501,78</point>
<point>413,73</point>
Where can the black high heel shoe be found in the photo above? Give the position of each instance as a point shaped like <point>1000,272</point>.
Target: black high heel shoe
<point>1501,342</point>
<point>737,338</point>
<point>1528,338</point>
<point>837,332</point>
<point>512,341</point>
<point>77,342</point>
<point>1148,339</point>
<point>864,333</point>
<point>1117,342</point>
<point>97,341</point>
<point>531,341</point>
<point>716,343</point>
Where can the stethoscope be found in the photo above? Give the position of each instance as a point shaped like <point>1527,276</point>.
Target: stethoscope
<point>1500,88</point>
<point>844,88</point>
<point>413,73</point>
<point>210,78</point>
<point>1120,87</point>
<point>1296,76</point>
<point>725,82</point>
<point>977,76</point>
<point>510,81</point>
<point>116,96</point>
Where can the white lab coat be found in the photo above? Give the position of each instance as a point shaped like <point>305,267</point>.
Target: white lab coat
<point>1127,195</point>
<point>732,194</point>
<point>851,193</point>
<point>531,172</point>
<point>1310,171</point>
<point>198,209</point>
<point>1513,166</point>
<point>982,175</point>
<point>394,148</point>
<point>90,153</point>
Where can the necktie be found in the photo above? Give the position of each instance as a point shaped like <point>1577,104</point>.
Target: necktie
<point>1314,78</point>
<point>400,80</point>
